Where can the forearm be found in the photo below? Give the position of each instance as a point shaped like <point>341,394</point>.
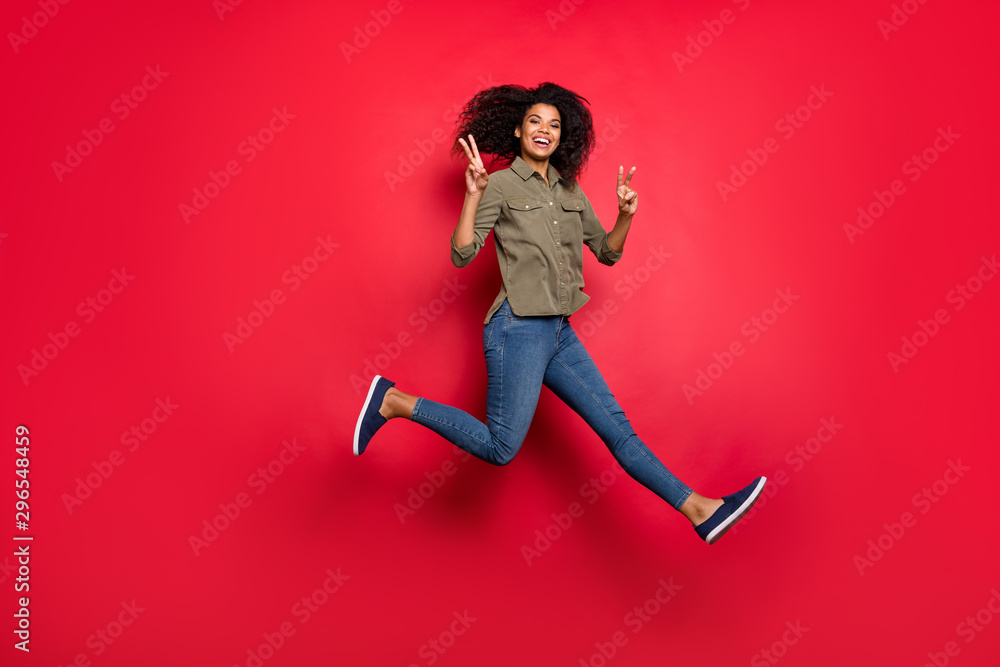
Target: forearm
<point>616,237</point>
<point>466,222</point>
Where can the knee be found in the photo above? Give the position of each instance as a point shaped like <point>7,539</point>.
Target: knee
<point>502,453</point>
<point>503,457</point>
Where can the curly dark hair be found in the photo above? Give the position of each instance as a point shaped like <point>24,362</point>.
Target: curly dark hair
<point>492,114</point>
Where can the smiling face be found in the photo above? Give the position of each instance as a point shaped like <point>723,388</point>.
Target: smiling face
<point>539,132</point>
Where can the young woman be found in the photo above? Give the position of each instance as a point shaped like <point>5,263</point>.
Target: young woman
<point>541,219</point>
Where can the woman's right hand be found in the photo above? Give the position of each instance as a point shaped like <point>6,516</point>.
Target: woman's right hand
<point>476,177</point>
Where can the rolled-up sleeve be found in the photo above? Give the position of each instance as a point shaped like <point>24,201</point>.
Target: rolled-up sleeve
<point>596,237</point>
<point>486,217</point>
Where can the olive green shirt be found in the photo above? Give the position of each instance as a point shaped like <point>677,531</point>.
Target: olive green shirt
<point>539,232</point>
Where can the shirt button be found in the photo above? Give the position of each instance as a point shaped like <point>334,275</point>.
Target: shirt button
<point>525,206</point>
<point>555,222</point>
<point>550,203</point>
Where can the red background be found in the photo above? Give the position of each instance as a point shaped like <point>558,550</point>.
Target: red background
<point>381,109</point>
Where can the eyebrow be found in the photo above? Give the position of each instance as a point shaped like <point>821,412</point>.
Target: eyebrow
<point>535,115</point>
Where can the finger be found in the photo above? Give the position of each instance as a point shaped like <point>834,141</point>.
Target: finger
<point>628,178</point>
<point>621,170</point>
<point>465,147</point>
<point>475,149</point>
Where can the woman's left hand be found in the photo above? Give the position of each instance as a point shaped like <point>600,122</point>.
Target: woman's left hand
<point>628,199</point>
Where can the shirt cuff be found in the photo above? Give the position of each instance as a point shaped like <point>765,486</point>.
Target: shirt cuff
<point>462,256</point>
<point>607,255</point>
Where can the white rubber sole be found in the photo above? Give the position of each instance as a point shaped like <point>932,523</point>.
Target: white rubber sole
<point>721,529</point>
<point>364,411</point>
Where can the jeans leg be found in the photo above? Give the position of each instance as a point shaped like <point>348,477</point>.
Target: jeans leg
<point>516,357</point>
<point>574,378</point>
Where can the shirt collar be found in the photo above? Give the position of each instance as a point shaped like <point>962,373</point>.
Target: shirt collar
<point>525,171</point>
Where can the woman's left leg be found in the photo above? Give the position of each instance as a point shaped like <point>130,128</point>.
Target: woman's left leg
<point>575,379</point>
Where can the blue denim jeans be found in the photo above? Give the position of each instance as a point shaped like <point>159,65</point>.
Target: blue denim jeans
<point>522,354</point>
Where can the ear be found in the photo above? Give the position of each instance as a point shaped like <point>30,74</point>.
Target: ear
<point>517,132</point>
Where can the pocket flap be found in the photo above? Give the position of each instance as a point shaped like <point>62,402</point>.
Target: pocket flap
<point>522,204</point>
<point>572,205</point>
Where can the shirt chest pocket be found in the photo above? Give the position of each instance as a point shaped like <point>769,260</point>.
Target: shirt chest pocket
<point>522,204</point>
<point>572,206</point>
<point>571,221</point>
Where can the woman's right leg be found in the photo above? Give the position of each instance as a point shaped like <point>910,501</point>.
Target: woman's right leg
<point>516,357</point>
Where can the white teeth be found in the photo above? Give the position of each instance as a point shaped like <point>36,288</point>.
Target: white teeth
<point>540,140</point>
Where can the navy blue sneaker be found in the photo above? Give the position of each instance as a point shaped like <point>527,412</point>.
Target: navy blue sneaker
<point>732,510</point>
<point>370,420</point>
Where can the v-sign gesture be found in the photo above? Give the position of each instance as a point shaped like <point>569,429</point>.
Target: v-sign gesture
<point>628,199</point>
<point>476,177</point>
